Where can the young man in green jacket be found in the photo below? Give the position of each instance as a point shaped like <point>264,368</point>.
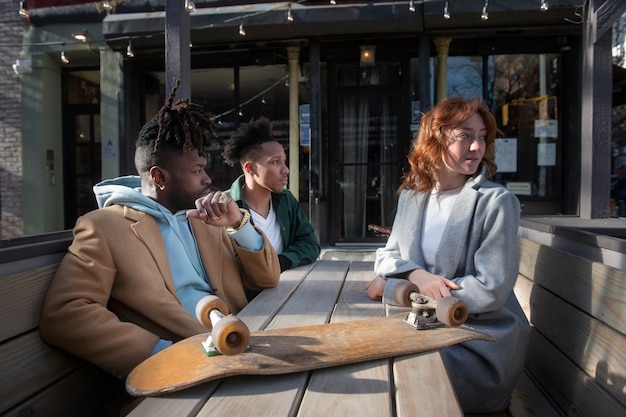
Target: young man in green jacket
<point>261,189</point>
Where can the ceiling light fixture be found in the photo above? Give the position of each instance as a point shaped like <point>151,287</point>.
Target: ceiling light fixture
<point>242,31</point>
<point>368,56</point>
<point>190,6</point>
<point>107,6</point>
<point>411,6</point>
<point>80,36</point>
<point>64,59</point>
<point>544,5</point>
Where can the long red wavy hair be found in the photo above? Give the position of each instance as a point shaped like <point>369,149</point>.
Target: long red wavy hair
<point>428,147</point>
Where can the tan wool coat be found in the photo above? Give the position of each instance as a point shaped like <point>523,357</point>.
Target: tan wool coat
<point>113,296</point>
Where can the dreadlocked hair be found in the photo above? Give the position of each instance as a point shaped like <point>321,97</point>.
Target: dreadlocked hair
<point>248,138</point>
<point>179,127</point>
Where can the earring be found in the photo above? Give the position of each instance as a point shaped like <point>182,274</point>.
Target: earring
<point>161,187</point>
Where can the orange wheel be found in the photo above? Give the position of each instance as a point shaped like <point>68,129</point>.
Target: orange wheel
<point>451,311</point>
<point>204,307</point>
<point>231,335</point>
<point>402,293</point>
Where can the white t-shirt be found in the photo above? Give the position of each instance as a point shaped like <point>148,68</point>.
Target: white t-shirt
<point>437,211</point>
<point>270,227</point>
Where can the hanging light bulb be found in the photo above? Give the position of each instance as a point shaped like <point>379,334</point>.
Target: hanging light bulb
<point>544,5</point>
<point>242,31</point>
<point>190,6</point>
<point>485,15</point>
<point>446,11</point>
<point>23,11</point>
<point>129,50</point>
<point>64,59</point>
<point>411,6</point>
<point>107,6</point>
<point>289,14</point>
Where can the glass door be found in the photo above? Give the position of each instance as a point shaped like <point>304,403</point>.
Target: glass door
<point>81,144</point>
<point>369,125</point>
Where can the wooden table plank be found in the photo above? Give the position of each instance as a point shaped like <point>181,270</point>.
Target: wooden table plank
<point>357,389</point>
<point>185,403</point>
<point>423,388</point>
<point>311,303</point>
<point>266,305</point>
<point>422,373</point>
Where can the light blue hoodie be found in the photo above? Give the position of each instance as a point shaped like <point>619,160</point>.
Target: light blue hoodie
<point>187,270</point>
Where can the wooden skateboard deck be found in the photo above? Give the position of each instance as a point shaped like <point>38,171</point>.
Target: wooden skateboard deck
<point>289,350</point>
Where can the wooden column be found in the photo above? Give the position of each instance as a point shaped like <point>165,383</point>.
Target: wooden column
<point>441,86</point>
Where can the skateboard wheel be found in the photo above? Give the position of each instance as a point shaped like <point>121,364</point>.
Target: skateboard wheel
<point>204,307</point>
<point>402,293</point>
<point>451,311</point>
<point>230,335</point>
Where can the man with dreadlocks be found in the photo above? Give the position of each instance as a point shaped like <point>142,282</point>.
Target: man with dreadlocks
<point>159,243</point>
<point>261,189</point>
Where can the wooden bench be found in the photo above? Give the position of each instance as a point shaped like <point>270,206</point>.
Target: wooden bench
<point>576,363</point>
<point>36,378</point>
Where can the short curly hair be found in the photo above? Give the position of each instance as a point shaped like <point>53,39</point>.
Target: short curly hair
<point>178,127</point>
<point>247,141</point>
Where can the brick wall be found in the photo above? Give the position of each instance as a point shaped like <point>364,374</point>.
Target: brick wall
<point>12,27</point>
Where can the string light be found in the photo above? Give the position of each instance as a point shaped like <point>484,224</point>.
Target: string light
<point>64,59</point>
<point>446,11</point>
<point>544,5</point>
<point>289,13</point>
<point>23,11</point>
<point>411,6</point>
<point>485,15</point>
<point>242,31</point>
<point>190,6</point>
<point>129,50</point>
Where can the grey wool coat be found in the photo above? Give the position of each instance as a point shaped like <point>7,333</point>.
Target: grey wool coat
<point>478,251</point>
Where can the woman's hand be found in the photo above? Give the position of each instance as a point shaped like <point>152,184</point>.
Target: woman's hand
<point>431,285</point>
<point>375,288</point>
<point>217,209</point>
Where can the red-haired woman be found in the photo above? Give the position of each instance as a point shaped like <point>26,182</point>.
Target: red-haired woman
<point>455,233</point>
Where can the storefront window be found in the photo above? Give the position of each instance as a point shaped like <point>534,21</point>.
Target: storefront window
<point>234,96</point>
<point>523,93</point>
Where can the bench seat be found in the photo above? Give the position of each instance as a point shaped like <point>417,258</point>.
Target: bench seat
<point>38,379</point>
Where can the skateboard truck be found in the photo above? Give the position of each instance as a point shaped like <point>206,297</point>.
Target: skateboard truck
<point>229,335</point>
<point>426,312</point>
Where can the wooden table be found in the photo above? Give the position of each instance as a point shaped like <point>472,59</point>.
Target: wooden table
<point>327,291</point>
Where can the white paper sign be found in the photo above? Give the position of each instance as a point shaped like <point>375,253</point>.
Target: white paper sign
<point>546,154</point>
<point>546,128</point>
<point>506,154</point>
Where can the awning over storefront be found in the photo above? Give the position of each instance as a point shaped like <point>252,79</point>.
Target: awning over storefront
<point>266,21</point>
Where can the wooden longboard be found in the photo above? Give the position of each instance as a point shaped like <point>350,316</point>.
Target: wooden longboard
<point>289,350</point>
